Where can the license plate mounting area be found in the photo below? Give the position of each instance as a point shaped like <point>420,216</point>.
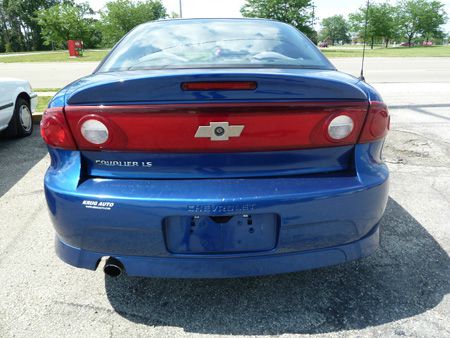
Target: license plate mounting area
<point>221,234</point>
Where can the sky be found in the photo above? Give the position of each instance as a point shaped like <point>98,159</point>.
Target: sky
<point>231,8</point>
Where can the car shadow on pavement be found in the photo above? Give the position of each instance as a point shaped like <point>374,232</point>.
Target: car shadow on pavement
<point>17,157</point>
<point>407,276</point>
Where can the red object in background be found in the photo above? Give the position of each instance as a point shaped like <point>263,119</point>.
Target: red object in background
<point>75,47</point>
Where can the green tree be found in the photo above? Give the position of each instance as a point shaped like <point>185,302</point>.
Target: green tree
<point>381,23</point>
<point>174,15</point>
<point>5,38</point>
<point>299,13</point>
<point>421,17</point>
<point>335,28</point>
<point>386,24</point>
<point>25,12</point>
<point>66,21</point>
<point>121,16</point>
<point>357,21</point>
<point>410,13</point>
<point>18,28</point>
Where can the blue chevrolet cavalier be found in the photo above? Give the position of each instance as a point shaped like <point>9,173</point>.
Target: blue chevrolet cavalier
<point>215,148</point>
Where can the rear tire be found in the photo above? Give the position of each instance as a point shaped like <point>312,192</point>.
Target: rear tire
<point>21,123</point>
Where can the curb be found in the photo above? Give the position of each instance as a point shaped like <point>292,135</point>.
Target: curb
<point>45,93</point>
<point>37,117</point>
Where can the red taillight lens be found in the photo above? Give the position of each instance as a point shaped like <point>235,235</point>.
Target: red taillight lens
<point>54,129</point>
<point>377,122</point>
<point>227,85</point>
<point>261,126</point>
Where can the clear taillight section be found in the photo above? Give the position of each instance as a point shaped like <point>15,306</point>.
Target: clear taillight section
<point>55,131</point>
<point>340,127</point>
<point>94,131</point>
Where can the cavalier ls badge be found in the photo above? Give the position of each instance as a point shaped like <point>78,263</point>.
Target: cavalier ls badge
<point>219,131</point>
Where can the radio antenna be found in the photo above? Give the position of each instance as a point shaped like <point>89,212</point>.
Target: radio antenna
<point>361,76</point>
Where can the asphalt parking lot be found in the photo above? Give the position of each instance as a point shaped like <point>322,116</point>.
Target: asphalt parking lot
<point>401,290</point>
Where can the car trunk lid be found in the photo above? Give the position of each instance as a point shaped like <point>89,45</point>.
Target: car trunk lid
<point>162,130</point>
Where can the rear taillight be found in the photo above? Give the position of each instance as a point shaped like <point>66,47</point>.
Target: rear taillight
<point>94,131</point>
<point>55,131</point>
<point>194,127</point>
<point>377,122</point>
<point>340,127</point>
<point>217,127</point>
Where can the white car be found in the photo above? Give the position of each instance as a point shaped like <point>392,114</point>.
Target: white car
<point>17,101</point>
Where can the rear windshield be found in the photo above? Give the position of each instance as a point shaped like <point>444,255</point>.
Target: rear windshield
<point>214,44</point>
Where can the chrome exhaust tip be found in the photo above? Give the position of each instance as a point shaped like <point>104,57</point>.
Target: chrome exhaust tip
<point>113,267</point>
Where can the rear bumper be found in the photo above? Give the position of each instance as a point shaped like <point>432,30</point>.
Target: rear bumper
<point>323,219</point>
<point>219,267</point>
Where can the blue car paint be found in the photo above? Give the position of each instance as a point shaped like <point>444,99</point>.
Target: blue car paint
<point>132,87</point>
<point>220,234</point>
<point>323,204</point>
<point>215,165</point>
<point>323,219</point>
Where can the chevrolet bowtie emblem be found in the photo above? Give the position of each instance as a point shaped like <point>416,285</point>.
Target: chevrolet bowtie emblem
<point>219,131</point>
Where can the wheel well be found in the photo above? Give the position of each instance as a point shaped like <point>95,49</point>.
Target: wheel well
<point>24,96</point>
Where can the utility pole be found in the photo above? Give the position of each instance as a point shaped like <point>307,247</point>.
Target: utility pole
<point>313,16</point>
<point>181,9</point>
<point>314,37</point>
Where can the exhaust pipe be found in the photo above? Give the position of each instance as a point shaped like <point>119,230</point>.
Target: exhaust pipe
<point>113,267</point>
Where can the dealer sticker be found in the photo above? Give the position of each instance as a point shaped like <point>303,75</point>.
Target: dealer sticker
<point>100,205</point>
